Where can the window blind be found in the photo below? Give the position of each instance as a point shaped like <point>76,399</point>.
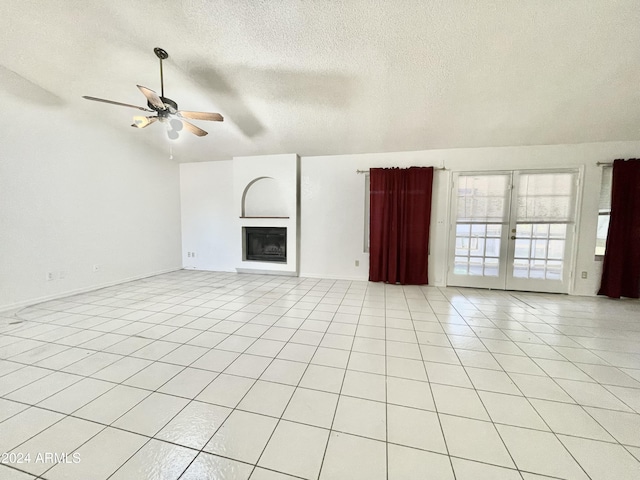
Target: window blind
<point>604,205</point>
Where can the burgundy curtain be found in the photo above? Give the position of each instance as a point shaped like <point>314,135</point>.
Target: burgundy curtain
<point>621,269</point>
<point>400,213</point>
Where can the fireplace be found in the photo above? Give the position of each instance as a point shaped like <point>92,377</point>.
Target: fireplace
<point>265,244</point>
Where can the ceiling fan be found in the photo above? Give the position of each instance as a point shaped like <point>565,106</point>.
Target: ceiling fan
<point>166,109</point>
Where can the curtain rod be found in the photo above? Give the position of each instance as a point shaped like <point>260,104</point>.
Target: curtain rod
<point>367,171</point>
<point>602,164</point>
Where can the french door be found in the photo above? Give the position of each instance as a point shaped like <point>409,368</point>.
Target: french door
<point>513,230</point>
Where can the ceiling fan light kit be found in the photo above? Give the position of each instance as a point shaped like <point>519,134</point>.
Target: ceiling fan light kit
<point>166,110</point>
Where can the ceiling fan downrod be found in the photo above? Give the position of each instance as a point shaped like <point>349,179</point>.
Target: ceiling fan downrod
<point>162,55</point>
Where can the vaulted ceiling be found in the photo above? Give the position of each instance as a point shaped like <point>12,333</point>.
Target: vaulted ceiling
<point>321,77</point>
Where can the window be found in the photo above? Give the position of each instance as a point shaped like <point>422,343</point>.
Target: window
<point>604,210</point>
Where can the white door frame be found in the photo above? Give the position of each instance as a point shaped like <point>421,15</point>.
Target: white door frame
<point>496,282</point>
<point>505,278</point>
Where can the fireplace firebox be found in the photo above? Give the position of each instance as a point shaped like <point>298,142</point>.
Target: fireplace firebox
<point>265,244</point>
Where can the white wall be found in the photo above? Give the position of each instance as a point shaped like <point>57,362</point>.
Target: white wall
<point>211,199</point>
<point>332,207</point>
<point>74,195</point>
<point>208,217</point>
<point>265,198</point>
<point>333,212</point>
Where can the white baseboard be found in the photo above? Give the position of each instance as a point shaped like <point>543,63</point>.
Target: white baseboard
<point>68,293</point>
<point>335,277</point>
<point>355,279</point>
<point>206,269</point>
<point>266,272</point>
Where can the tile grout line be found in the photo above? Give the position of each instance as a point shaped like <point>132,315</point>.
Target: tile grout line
<point>254,383</point>
<point>581,406</point>
<point>532,406</point>
<point>463,317</point>
<point>344,377</point>
<point>433,399</point>
<point>240,401</point>
<point>132,407</point>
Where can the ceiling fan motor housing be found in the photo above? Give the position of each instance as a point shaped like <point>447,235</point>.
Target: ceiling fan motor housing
<point>167,101</point>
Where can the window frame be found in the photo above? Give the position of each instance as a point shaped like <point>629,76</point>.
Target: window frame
<point>604,210</point>
<point>366,242</point>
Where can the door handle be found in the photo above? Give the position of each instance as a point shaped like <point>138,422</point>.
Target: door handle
<point>513,237</point>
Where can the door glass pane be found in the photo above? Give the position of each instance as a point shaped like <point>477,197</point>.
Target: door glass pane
<point>523,248</point>
<point>520,268</point>
<point>479,230</point>
<point>461,265</point>
<point>481,198</point>
<point>556,249</point>
<point>558,230</point>
<point>554,270</point>
<point>492,247</point>
<point>463,229</point>
<point>546,197</point>
<point>462,246</point>
<point>541,230</point>
<point>494,230</point>
<point>539,249</point>
<point>482,208</point>
<point>545,209</point>
<point>476,248</point>
<point>476,266</point>
<point>524,230</point>
<point>536,269</point>
<point>491,267</point>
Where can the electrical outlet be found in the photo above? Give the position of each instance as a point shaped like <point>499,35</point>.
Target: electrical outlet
<point>357,263</point>
<point>50,276</point>
<point>193,254</point>
<point>584,275</point>
<point>96,268</point>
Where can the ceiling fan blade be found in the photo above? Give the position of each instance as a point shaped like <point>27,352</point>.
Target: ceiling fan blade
<point>142,122</point>
<point>193,129</point>
<point>214,117</point>
<point>95,99</point>
<point>152,97</point>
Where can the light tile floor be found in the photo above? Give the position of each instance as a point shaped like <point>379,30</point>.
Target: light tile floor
<point>205,375</point>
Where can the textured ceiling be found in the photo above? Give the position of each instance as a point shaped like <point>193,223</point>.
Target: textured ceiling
<point>321,77</point>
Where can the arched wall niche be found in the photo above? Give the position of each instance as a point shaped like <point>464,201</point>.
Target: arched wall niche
<point>262,197</point>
